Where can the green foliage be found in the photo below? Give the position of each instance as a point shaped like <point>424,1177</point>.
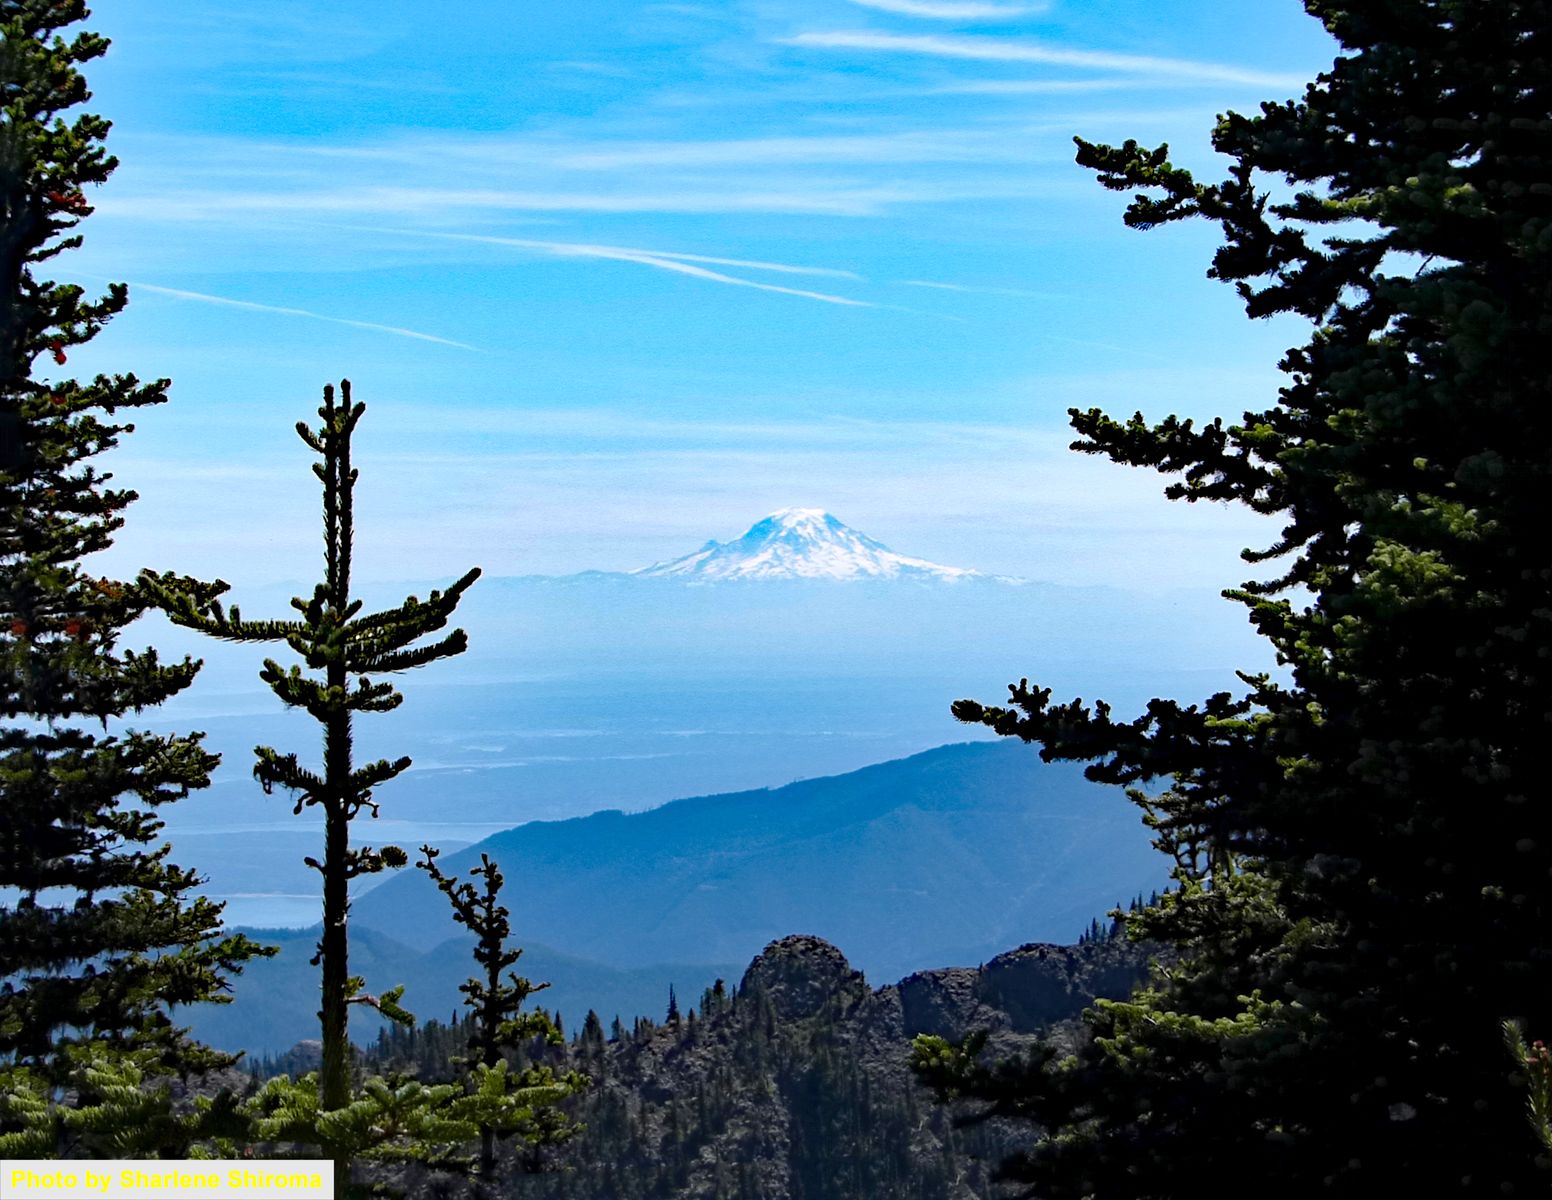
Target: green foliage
<point>1535,1064</point>
<point>386,1120</point>
<point>331,635</point>
<point>1363,874</point>
<point>119,1110</point>
<point>521,1105</point>
<point>503,1104</point>
<point>495,1003</point>
<point>100,935</point>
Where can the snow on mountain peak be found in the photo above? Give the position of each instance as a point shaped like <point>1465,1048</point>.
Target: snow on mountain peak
<point>800,543</point>
<point>790,517</point>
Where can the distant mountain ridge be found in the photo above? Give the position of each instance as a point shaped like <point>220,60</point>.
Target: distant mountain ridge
<point>801,543</point>
<point>276,999</point>
<point>944,858</point>
<point>949,856</point>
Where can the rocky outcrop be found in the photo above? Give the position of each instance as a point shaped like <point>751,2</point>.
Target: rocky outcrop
<point>1038,985</point>
<point>799,1084</point>
<point>804,976</point>
<point>946,1003</point>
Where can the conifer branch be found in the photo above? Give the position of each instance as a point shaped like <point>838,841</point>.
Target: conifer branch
<point>101,940</point>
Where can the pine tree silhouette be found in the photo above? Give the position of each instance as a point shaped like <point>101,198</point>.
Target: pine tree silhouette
<point>332,636</point>
<point>504,1105</point>
<point>1362,869</point>
<point>101,936</point>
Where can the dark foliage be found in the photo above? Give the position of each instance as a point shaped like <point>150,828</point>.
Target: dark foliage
<point>505,1104</point>
<point>334,637</point>
<point>793,1085</point>
<point>1363,858</point>
<point>101,937</point>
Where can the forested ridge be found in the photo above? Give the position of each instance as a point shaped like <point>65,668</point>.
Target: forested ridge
<point>793,1082</point>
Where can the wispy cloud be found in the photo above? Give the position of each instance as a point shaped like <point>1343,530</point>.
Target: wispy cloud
<point>470,181</point>
<point>984,291</point>
<point>684,268</point>
<point>820,198</point>
<point>668,260</point>
<point>491,153</point>
<point>1040,87</point>
<point>595,251</point>
<point>953,10</point>
<point>1006,50</point>
<point>911,146</point>
<point>228,302</point>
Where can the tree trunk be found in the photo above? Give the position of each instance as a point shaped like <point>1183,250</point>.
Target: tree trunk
<point>334,947</point>
<point>334,1083</point>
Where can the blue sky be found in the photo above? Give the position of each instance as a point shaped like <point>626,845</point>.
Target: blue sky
<point>614,279</point>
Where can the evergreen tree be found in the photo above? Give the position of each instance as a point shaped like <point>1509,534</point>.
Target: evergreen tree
<point>332,636</point>
<point>590,1042</point>
<point>1363,869</point>
<point>100,935</point>
<point>502,1104</point>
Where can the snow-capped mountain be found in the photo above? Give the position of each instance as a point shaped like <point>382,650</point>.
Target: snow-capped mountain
<point>801,543</point>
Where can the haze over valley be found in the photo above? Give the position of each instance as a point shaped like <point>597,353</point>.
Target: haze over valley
<point>626,690</point>
<point>801,650</point>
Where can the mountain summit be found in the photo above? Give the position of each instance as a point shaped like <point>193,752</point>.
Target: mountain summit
<point>800,543</point>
